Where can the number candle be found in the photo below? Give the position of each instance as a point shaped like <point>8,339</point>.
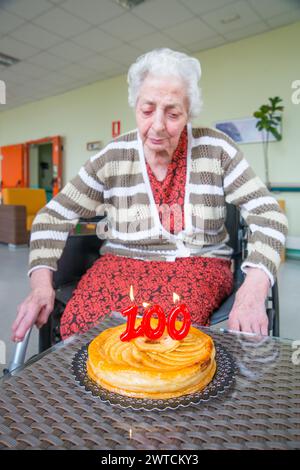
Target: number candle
<point>131,312</point>
<point>145,327</point>
<point>186,323</point>
<point>154,333</point>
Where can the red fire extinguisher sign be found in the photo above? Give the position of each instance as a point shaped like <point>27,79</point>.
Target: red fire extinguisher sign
<point>116,128</point>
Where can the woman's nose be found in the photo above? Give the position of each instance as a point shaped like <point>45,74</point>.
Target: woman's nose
<point>158,123</point>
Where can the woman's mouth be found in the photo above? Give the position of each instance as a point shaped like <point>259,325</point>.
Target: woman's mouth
<point>156,141</point>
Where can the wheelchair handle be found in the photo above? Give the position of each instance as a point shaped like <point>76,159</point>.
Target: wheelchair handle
<point>20,353</point>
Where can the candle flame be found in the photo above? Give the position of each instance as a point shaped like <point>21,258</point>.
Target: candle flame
<point>176,298</point>
<point>131,293</point>
<point>145,304</point>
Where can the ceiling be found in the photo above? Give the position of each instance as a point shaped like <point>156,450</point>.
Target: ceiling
<point>66,44</point>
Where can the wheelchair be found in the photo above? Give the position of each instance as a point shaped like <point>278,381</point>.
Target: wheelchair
<point>86,247</point>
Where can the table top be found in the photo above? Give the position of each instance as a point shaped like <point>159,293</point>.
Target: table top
<point>43,407</point>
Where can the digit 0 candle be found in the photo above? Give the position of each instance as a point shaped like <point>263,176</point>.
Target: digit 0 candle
<point>179,309</point>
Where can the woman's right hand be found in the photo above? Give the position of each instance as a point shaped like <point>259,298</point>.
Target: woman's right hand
<point>37,306</point>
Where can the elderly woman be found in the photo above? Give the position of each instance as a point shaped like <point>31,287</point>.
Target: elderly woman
<point>163,187</point>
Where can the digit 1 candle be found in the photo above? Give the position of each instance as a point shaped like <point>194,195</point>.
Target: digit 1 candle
<point>172,318</point>
<point>131,312</point>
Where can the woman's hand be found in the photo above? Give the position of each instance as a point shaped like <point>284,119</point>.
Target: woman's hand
<point>37,306</point>
<point>248,313</point>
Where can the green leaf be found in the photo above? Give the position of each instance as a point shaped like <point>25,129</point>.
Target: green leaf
<point>265,108</point>
<point>275,133</point>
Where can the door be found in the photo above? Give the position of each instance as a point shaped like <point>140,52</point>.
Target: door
<point>44,164</point>
<point>41,168</point>
<point>46,169</point>
<point>12,166</point>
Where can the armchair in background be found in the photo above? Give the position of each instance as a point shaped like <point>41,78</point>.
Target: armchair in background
<point>20,206</point>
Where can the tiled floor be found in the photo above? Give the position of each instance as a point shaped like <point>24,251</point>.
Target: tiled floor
<point>14,286</point>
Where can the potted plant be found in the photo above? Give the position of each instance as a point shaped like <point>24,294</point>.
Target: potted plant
<point>269,117</point>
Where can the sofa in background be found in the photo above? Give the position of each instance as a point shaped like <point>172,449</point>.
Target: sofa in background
<point>19,207</point>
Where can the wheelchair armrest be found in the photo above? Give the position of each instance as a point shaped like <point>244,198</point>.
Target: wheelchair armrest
<point>222,313</point>
<point>20,352</point>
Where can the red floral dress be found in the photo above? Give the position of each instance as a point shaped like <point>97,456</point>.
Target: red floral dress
<point>202,283</point>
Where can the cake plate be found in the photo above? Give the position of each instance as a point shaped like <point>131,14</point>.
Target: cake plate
<point>221,382</point>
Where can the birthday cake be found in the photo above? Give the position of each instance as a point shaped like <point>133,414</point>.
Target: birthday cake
<point>159,369</point>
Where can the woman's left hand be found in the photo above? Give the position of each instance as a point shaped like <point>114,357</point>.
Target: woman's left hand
<point>248,313</point>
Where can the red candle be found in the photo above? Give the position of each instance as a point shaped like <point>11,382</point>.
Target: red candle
<point>173,316</point>
<point>131,312</point>
<point>131,332</point>
<point>154,333</point>
<point>145,327</point>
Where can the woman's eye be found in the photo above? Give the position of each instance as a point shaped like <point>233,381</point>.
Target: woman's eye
<point>174,116</point>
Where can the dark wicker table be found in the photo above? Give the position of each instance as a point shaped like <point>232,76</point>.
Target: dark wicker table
<point>43,407</point>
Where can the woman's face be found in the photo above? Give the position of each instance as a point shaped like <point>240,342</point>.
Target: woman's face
<point>161,113</point>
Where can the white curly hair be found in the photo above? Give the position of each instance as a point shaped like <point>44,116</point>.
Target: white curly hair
<point>167,63</point>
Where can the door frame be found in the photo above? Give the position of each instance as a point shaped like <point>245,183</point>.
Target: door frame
<point>57,148</point>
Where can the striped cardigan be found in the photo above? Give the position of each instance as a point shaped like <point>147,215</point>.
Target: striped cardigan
<point>115,183</point>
